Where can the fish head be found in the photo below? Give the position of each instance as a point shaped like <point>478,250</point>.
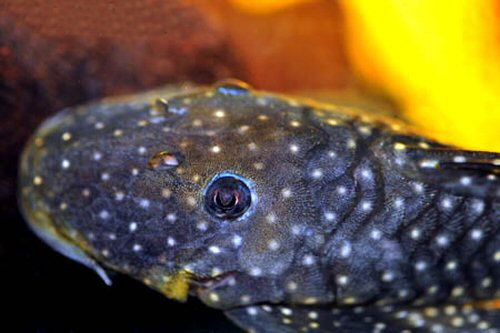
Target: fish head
<point>200,193</point>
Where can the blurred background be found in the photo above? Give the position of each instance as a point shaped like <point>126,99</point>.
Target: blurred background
<point>436,63</point>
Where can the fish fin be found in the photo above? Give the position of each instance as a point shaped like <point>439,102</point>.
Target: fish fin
<point>388,319</point>
<point>459,172</point>
<point>71,251</point>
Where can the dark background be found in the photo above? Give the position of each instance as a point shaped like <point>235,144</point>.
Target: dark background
<point>55,54</point>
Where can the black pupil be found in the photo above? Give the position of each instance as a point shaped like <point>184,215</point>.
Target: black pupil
<point>227,197</point>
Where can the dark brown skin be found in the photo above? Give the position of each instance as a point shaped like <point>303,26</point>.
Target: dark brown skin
<point>289,215</point>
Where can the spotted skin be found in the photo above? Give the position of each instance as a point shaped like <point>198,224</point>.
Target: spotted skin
<point>355,223</point>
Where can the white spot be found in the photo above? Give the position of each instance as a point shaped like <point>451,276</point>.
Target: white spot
<point>398,202</point>
<point>294,123</point>
<point>366,174</point>
<point>415,233</point>
<point>403,293</point>
<point>119,196</point>
<point>296,229</point>
<point>451,265</point>
<point>342,280</point>
<point>258,165</point>
<point>399,146</point>
<point>286,193</point>
<point>144,203</point>
<point>215,149</point>
<point>99,125</point>
<point>459,159</point>
<point>166,193</point>
<point>317,173</point>
<point>429,164</point>
<point>243,129</point>
<point>351,143</point>
<point>476,234</point>
<point>478,206</point>
<point>171,241</point>
<point>252,146</point>
<point>137,247</point>
<point>332,122</point>
<point>446,203</point>
<point>329,216</point>
<point>214,249</point>
<point>376,234</point>
<point>466,181</point>
<point>341,190</point>
<point>345,250</point>
<point>202,226</point>
<point>294,148</point>
<point>312,315</point>
<point>142,150</point>
<point>65,164</point>
<point>118,132</point>
<point>37,180</point>
<point>220,113</point>
<point>332,154</point>
<point>245,298</point>
<point>286,311</point>
<point>486,282</point>
<point>66,136</point>
<point>135,171</point>
<point>105,176</point>
<point>496,162</point>
<point>132,227</point>
<point>308,260</point>
<point>418,188</point>
<point>255,271</point>
<point>191,201</point>
<point>97,156</point>
<point>420,265</point>
<point>292,286</point>
<point>104,214</point>
<point>483,325</point>
<point>366,206</point>
<point>388,276</point>
<point>366,130</point>
<point>266,308</point>
<point>214,297</point>
<point>237,240</point>
<point>252,310</point>
<point>273,245</point>
<point>171,217</point>
<point>271,218</point>
<point>442,240</point>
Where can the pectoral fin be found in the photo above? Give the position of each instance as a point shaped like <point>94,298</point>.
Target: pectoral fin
<point>460,172</point>
<point>294,319</point>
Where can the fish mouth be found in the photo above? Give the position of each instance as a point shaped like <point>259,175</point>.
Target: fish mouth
<point>212,282</point>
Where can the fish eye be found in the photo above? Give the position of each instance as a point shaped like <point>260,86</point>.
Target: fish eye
<point>227,197</point>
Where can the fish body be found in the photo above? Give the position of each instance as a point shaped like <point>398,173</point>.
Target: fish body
<point>289,215</point>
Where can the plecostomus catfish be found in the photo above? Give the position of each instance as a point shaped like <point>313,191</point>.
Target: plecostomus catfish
<point>289,215</point>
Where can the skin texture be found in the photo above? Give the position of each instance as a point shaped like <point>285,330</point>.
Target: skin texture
<point>354,223</point>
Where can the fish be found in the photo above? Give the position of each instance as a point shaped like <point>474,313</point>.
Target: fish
<point>288,214</point>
